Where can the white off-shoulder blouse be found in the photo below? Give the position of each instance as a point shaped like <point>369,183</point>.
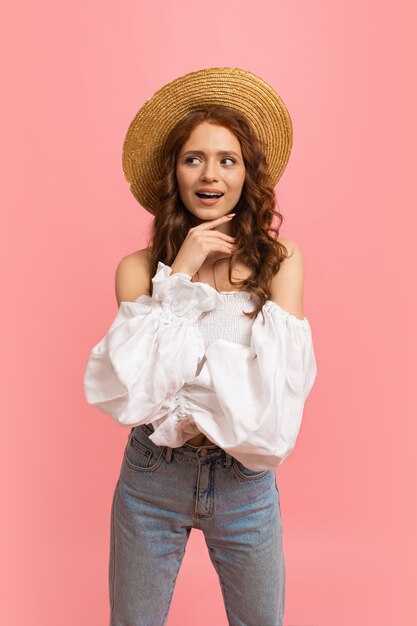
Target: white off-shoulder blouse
<point>188,361</point>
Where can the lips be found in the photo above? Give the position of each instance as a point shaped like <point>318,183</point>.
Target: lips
<point>209,194</point>
<point>209,190</point>
<point>208,199</point>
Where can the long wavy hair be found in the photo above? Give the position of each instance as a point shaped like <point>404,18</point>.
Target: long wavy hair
<point>257,244</point>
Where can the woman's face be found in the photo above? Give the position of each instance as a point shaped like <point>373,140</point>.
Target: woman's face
<point>210,160</point>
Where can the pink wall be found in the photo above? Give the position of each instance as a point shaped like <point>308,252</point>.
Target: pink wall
<point>74,75</point>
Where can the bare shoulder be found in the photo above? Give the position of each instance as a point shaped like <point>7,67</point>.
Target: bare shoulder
<point>288,284</point>
<point>292,247</point>
<point>133,276</point>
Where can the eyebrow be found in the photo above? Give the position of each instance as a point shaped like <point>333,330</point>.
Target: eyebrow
<point>219,152</point>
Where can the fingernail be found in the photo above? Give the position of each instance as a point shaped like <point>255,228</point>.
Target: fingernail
<point>231,214</point>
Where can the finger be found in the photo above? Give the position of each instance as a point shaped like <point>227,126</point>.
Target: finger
<point>223,247</point>
<point>217,234</point>
<point>211,223</point>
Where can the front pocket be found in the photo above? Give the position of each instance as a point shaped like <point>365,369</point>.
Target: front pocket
<point>244,473</point>
<point>140,456</point>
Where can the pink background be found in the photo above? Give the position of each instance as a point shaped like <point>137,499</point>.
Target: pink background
<point>74,74</point>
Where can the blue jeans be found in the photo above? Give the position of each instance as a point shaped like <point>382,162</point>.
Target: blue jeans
<point>161,494</point>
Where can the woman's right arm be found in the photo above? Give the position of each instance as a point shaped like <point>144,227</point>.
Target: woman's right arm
<point>153,346</point>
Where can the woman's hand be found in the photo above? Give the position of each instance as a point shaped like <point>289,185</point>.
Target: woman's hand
<point>200,242</point>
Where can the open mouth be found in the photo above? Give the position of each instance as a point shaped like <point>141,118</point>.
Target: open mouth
<point>209,196</point>
<point>208,199</point>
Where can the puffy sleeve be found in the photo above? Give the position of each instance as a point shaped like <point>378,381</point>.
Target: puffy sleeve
<point>262,388</point>
<point>150,350</point>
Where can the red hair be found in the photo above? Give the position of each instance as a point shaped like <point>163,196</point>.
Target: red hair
<point>257,240</point>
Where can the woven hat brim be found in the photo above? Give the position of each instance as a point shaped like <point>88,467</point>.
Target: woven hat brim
<point>228,86</point>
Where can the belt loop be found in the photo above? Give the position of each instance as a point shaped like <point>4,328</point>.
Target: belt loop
<point>228,463</point>
<point>168,454</point>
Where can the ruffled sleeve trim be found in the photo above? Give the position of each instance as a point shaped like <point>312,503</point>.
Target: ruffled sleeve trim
<point>274,309</point>
<point>178,295</point>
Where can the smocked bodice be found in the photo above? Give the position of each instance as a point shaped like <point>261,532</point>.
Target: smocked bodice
<point>227,321</point>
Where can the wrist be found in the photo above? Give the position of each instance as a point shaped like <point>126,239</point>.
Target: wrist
<point>176,268</point>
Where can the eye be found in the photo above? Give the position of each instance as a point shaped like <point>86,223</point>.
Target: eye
<point>190,160</point>
<point>229,159</point>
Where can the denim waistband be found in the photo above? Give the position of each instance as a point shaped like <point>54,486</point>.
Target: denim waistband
<point>209,453</point>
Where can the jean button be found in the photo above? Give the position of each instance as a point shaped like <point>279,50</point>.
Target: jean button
<point>203,452</point>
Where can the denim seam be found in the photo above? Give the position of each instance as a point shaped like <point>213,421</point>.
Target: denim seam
<point>202,516</point>
<point>137,468</point>
<point>139,444</point>
<point>245,477</point>
<point>113,548</point>
<point>223,586</point>
<point>169,599</point>
<point>141,448</point>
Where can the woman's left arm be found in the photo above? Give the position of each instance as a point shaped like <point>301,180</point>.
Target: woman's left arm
<point>262,388</point>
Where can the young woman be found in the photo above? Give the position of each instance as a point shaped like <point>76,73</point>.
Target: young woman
<point>209,359</point>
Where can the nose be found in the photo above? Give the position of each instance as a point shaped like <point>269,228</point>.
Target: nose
<point>209,171</point>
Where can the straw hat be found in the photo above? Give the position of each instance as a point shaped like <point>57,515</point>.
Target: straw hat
<point>227,86</point>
